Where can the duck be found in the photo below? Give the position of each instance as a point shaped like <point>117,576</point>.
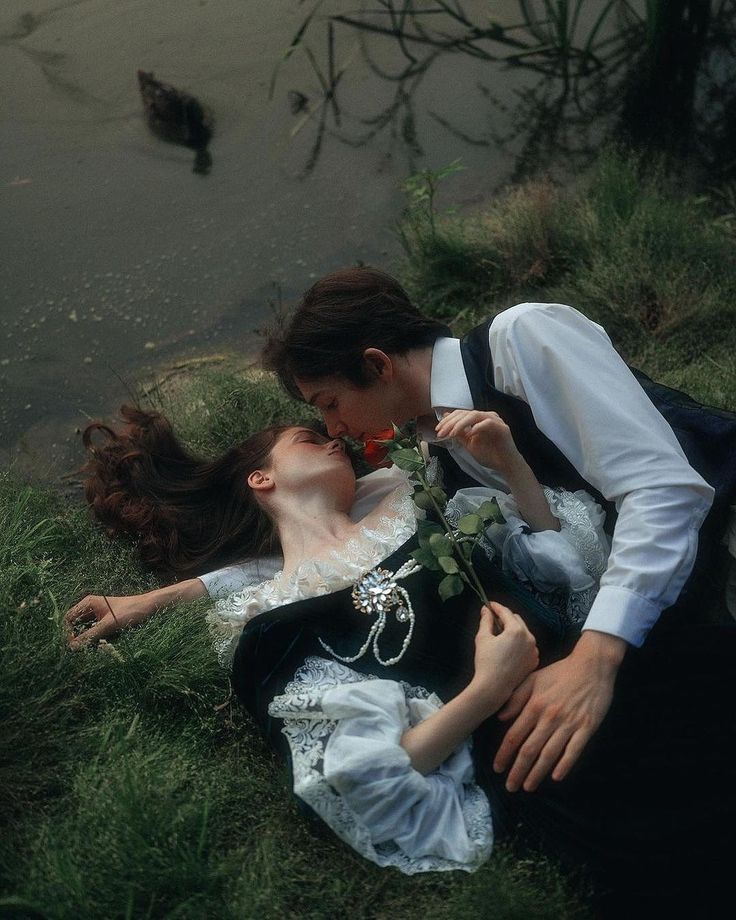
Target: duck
<point>175,115</point>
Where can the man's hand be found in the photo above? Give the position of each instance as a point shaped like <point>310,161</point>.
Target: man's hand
<point>557,710</point>
<point>484,435</point>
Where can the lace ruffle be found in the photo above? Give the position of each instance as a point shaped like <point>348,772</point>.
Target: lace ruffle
<point>581,520</point>
<point>308,732</point>
<point>315,577</point>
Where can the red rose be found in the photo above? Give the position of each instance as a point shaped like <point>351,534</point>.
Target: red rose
<point>375,452</point>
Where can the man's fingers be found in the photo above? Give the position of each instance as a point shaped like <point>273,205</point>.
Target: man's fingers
<point>532,753</point>
<point>513,739</point>
<point>457,421</point>
<point>575,747</point>
<point>546,760</point>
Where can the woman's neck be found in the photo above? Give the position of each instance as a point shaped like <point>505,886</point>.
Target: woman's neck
<point>309,531</point>
<point>312,531</point>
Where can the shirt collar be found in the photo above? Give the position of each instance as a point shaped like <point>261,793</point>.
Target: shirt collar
<point>448,385</point>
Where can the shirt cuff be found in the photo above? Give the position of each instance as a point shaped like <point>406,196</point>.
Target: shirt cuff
<point>623,613</point>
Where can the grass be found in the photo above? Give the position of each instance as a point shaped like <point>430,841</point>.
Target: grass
<point>131,785</point>
<point>654,264</point>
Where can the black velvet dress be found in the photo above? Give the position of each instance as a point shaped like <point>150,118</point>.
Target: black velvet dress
<point>647,815</point>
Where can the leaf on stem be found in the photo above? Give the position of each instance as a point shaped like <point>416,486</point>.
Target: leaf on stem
<point>470,524</point>
<point>407,459</point>
<point>426,558</point>
<point>491,513</point>
<point>440,545</point>
<point>450,586</point>
<point>448,564</point>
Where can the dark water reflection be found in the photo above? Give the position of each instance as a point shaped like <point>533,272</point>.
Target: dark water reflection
<point>118,259</point>
<point>659,76</point>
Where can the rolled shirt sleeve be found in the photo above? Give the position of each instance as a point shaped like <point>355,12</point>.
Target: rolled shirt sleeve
<point>585,399</point>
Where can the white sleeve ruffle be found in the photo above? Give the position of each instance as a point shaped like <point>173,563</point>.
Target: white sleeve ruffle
<point>344,731</point>
<point>570,560</point>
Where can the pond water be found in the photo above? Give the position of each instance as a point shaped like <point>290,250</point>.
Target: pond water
<point>118,259</point>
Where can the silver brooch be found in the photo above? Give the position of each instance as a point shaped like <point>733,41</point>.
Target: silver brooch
<point>378,594</point>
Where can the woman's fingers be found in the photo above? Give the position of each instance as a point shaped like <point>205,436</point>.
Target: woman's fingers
<point>83,611</point>
<point>74,613</point>
<point>99,631</point>
<point>503,614</point>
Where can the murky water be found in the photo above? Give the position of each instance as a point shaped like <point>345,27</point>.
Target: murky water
<point>116,257</point>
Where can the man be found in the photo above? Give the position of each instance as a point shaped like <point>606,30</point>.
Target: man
<point>359,351</point>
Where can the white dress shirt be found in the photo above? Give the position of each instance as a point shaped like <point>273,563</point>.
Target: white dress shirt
<point>584,398</point>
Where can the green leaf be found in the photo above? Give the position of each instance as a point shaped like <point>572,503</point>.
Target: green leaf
<point>406,459</point>
<point>422,500</point>
<point>470,524</point>
<point>440,545</point>
<point>450,586</point>
<point>439,495</point>
<point>426,530</point>
<point>448,565</point>
<point>490,512</point>
<point>426,558</point>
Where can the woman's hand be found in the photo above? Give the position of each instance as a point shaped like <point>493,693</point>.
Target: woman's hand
<point>505,653</point>
<point>484,435</point>
<point>99,616</point>
<point>108,615</point>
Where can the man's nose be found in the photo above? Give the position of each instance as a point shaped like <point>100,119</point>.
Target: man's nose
<point>335,428</point>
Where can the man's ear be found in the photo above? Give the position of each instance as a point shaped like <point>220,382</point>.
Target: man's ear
<point>260,481</point>
<point>379,363</point>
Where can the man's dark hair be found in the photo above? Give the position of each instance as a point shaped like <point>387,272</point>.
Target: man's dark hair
<point>340,316</point>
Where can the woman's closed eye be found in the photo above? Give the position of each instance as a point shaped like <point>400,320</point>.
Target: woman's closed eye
<point>313,437</point>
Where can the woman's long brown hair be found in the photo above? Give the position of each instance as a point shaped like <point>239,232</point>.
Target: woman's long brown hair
<point>187,515</point>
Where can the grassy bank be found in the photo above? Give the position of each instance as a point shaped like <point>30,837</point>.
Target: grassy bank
<point>132,786</point>
<point>629,246</point>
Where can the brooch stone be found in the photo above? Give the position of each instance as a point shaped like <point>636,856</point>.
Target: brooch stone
<point>377,594</point>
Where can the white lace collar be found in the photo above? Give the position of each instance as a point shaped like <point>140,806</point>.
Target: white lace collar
<point>318,576</point>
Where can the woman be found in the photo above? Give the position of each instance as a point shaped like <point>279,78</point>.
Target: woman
<point>373,750</point>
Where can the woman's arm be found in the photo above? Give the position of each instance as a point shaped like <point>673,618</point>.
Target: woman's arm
<point>109,615</point>
<point>488,439</point>
<point>505,653</point>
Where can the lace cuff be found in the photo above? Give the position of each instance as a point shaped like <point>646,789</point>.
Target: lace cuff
<point>563,568</point>
<point>581,523</point>
<point>344,731</point>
